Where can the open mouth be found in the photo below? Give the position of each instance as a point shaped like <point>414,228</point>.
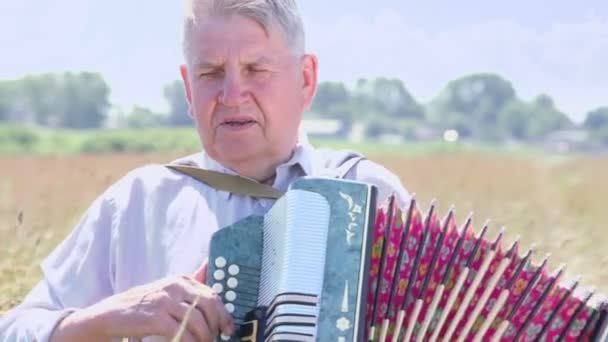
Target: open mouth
<point>239,123</point>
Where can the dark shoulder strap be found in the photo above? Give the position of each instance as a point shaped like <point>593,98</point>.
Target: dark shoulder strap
<point>339,163</point>
<point>348,165</point>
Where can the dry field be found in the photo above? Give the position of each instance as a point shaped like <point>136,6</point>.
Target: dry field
<point>559,204</point>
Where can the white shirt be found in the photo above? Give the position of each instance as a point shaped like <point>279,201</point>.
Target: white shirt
<point>154,223</point>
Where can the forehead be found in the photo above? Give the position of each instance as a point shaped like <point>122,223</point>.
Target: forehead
<point>220,37</point>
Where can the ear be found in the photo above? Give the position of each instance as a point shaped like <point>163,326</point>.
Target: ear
<point>187,86</point>
<point>183,69</point>
<point>309,78</point>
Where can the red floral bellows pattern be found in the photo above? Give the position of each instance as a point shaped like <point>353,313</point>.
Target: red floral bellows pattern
<point>431,280</point>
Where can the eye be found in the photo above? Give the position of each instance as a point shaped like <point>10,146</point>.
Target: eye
<point>210,74</point>
<point>257,69</point>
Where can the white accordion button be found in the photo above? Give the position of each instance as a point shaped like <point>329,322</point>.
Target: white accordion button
<point>230,296</point>
<point>234,270</point>
<point>230,307</point>
<point>219,275</point>
<point>232,283</point>
<point>218,288</point>
<point>220,262</point>
<point>225,338</point>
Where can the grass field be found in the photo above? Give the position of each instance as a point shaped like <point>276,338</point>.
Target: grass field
<point>559,203</point>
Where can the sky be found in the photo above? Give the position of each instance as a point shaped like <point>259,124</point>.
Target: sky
<point>557,47</point>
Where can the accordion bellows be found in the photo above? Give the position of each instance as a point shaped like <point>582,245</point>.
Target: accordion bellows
<point>326,264</point>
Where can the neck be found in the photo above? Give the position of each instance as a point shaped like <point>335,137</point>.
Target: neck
<point>263,173</point>
<point>262,170</point>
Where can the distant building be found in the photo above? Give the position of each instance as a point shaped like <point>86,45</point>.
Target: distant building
<point>423,132</point>
<point>391,139</point>
<point>324,128</point>
<point>357,132</point>
<point>565,141</point>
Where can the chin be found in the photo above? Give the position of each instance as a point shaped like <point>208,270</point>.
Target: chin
<point>239,153</point>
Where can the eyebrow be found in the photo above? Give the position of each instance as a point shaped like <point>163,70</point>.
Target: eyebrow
<point>263,60</point>
<point>206,65</point>
<point>211,65</point>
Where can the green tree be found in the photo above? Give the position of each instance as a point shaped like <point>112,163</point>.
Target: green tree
<point>41,97</point>
<point>533,120</point>
<point>472,104</point>
<point>62,100</point>
<point>596,123</point>
<point>84,100</point>
<point>383,104</point>
<point>328,94</point>
<point>7,100</point>
<point>546,118</point>
<point>175,94</point>
<point>141,117</point>
<point>389,96</point>
<point>333,100</point>
<point>596,119</point>
<point>515,118</point>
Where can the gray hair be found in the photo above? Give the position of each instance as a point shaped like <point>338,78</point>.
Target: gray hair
<point>268,13</point>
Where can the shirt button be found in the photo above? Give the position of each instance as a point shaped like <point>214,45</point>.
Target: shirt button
<point>258,208</point>
<point>266,204</point>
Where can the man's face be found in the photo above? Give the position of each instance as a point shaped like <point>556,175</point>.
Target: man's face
<point>247,90</point>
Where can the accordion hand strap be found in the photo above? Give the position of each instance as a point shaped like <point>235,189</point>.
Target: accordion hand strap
<point>231,183</point>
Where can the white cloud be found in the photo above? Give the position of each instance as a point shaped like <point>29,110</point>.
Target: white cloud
<point>567,61</point>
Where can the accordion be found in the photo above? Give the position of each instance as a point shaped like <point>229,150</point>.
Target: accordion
<point>327,264</point>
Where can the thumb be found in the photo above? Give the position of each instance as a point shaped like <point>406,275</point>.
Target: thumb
<point>200,274</point>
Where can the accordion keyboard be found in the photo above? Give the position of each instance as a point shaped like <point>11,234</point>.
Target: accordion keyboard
<point>237,286</point>
<point>235,277</point>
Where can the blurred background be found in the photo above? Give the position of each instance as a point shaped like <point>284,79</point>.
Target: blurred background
<point>498,108</point>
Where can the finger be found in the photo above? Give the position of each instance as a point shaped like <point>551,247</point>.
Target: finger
<point>226,321</point>
<point>210,304</point>
<point>216,314</point>
<point>171,330</point>
<point>195,321</point>
<point>200,274</point>
<point>210,308</point>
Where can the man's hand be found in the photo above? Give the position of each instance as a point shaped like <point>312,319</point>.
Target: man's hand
<point>155,309</point>
<point>201,274</point>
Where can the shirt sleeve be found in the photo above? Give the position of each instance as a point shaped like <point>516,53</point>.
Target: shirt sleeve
<point>387,182</point>
<point>75,275</point>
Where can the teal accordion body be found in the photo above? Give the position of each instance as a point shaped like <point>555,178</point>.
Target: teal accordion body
<point>301,266</point>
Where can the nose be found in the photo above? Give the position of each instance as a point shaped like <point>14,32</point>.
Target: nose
<point>233,90</point>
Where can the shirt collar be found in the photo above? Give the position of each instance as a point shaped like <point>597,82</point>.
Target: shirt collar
<point>302,158</point>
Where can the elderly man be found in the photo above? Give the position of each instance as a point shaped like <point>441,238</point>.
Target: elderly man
<point>132,266</point>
